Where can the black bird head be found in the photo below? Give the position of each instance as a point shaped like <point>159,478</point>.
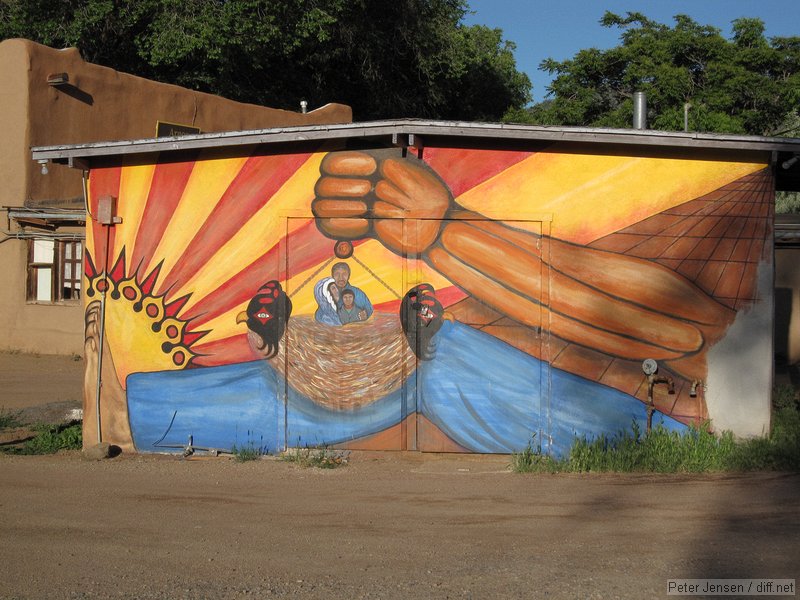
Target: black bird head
<point>421,316</point>
<point>266,316</point>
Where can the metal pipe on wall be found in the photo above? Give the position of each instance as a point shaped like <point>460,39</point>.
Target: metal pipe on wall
<point>639,110</point>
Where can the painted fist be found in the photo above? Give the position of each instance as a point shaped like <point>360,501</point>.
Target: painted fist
<point>399,201</point>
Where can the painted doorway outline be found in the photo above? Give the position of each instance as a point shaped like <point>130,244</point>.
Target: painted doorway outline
<point>409,435</point>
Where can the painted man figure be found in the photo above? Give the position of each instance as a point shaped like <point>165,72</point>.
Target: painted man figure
<point>341,275</point>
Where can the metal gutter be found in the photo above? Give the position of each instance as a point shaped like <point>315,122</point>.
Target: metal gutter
<point>41,235</point>
<point>50,214</point>
<point>77,155</point>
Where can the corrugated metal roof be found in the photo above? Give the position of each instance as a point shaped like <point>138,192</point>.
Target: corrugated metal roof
<point>400,130</point>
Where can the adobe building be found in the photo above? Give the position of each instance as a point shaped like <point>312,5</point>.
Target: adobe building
<point>54,97</point>
<point>430,286</point>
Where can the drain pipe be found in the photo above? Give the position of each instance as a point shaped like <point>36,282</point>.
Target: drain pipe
<point>101,340</point>
<point>106,207</point>
<point>639,110</point>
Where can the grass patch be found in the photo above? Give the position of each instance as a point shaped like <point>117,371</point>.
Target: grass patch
<point>695,450</point>
<point>532,460</point>
<point>250,450</point>
<point>320,458</point>
<point>49,439</point>
<point>9,419</point>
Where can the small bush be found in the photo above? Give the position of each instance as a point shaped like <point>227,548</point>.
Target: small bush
<point>321,458</point>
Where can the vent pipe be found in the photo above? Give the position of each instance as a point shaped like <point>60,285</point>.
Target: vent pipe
<point>639,110</point>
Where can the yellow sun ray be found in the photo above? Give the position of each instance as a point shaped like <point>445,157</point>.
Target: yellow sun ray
<point>206,185</point>
<point>592,196</point>
<point>265,226</point>
<point>134,187</point>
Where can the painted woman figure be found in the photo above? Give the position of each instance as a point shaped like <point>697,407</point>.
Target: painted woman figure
<point>327,295</point>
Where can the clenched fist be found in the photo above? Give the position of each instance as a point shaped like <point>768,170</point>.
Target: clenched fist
<point>377,194</point>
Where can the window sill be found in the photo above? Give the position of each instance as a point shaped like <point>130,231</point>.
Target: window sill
<point>58,303</point>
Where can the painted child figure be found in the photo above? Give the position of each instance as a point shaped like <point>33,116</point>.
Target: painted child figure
<point>348,311</point>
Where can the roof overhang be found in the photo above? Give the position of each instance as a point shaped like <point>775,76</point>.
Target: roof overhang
<point>46,218</point>
<point>416,132</point>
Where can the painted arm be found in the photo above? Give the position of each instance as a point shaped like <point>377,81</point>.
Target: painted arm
<point>617,304</point>
<point>363,303</point>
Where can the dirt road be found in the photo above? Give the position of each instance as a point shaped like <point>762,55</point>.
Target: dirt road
<point>385,526</point>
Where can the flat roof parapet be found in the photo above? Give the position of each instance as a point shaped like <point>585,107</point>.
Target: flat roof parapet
<point>416,127</point>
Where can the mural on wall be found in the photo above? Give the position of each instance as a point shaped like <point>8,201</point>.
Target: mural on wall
<point>465,301</point>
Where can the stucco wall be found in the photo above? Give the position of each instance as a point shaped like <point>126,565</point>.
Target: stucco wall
<point>98,104</point>
<point>501,305</point>
<point>787,305</point>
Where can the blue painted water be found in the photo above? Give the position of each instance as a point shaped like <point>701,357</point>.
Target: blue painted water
<point>484,394</point>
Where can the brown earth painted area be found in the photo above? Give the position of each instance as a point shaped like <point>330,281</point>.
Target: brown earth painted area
<point>387,525</point>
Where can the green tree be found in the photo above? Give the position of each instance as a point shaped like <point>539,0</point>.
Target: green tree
<point>746,84</point>
<point>404,58</point>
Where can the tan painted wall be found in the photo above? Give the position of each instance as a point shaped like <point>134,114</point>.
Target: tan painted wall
<point>98,104</point>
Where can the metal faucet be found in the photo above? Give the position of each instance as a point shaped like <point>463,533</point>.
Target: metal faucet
<point>652,381</point>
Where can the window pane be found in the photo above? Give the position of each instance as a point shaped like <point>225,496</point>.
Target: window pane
<point>70,293</point>
<point>67,267</point>
<point>44,285</point>
<point>67,250</point>
<point>43,251</point>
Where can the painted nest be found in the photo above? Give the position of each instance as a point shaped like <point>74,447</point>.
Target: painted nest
<point>345,367</point>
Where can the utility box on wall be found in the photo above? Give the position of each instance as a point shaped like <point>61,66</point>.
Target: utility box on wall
<point>494,286</point>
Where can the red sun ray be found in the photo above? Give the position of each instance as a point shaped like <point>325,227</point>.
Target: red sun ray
<point>190,337</point>
<point>230,350</point>
<point>88,265</point>
<point>103,182</point>
<point>173,308</point>
<point>166,190</point>
<point>117,273</point>
<point>255,184</point>
<point>462,168</point>
<point>150,281</point>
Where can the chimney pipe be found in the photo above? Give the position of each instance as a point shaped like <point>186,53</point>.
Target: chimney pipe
<point>639,110</point>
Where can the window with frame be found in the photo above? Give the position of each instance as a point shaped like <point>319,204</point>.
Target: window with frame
<point>54,270</point>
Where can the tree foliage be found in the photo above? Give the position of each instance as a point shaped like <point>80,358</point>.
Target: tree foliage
<point>746,84</point>
<point>403,58</point>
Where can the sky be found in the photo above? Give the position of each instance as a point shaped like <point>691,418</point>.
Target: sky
<point>559,28</point>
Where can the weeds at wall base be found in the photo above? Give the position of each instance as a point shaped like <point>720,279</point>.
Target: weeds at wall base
<point>49,439</point>
<point>247,453</point>
<point>250,450</point>
<point>696,450</point>
<point>9,419</point>
<point>321,458</point>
